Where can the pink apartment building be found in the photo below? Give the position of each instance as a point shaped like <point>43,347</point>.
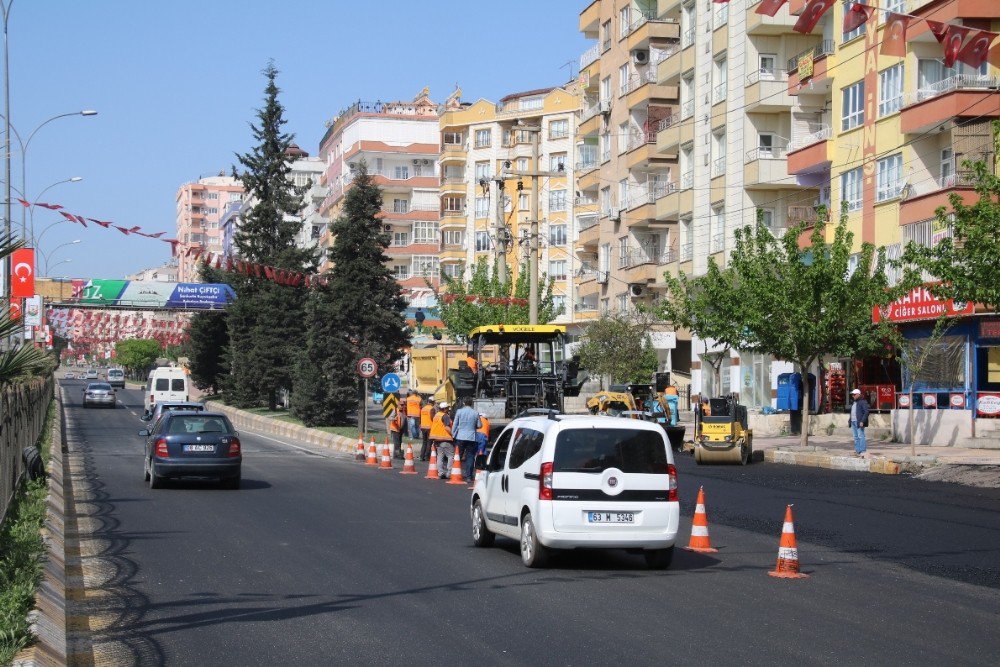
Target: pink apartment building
<point>200,205</point>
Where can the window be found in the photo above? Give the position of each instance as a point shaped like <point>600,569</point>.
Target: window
<point>605,92</point>
<point>606,201</point>
<point>605,147</point>
<point>455,204</point>
<point>623,132</point>
<point>425,266</point>
<point>401,271</point>
<point>623,193</point>
<point>531,103</point>
<point>768,64</point>
<point>719,76</point>
<point>857,32</point>
<point>622,79</point>
<point>623,302</point>
<point>235,196</point>
<point>767,217</point>
<point>482,241</point>
<point>890,89</point>
<point>454,237</point>
<point>453,138</point>
<point>557,162</point>
<point>558,304</point>
<point>853,113</point>
<point>162,384</point>
<point>889,177</point>
<point>522,164</point>
<point>947,167</point>
<point>498,455</point>
<point>557,200</point>
<point>765,142</point>
<point>482,207</point>
<point>522,201</point>
<point>401,172</point>
<point>212,210</point>
<point>558,129</point>
<point>482,171</point>
<point>557,235</point>
<point>483,138</point>
<point>425,231</point>
<point>557,270</point>
<point>850,188</point>
<point>213,195</point>
<point>177,384</point>
<point>400,239</point>
<point>624,20</point>
<point>891,6</point>
<point>400,206</point>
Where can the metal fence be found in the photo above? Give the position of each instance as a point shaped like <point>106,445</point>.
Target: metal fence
<point>22,415</point>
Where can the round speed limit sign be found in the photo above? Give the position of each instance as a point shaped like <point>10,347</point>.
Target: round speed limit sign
<point>367,368</point>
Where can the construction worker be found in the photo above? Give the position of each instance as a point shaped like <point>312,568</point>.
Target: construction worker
<point>470,359</point>
<point>483,434</point>
<point>672,397</point>
<point>397,422</point>
<point>440,436</point>
<point>413,414</point>
<point>427,413</point>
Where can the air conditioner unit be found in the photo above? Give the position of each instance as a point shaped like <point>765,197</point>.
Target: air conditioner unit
<point>602,277</point>
<point>605,106</point>
<point>387,228</point>
<point>635,290</point>
<point>352,166</point>
<point>426,162</point>
<point>640,56</point>
<point>416,161</point>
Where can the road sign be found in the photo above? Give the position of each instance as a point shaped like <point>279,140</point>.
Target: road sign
<point>389,404</point>
<point>367,368</point>
<point>390,383</point>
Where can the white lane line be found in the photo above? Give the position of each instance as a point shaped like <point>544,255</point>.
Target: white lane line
<point>287,444</point>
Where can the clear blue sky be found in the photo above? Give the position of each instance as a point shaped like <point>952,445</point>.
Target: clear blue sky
<point>175,83</point>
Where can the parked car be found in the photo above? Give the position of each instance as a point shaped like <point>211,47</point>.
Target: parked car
<point>174,406</point>
<point>578,482</point>
<point>100,394</point>
<point>116,377</point>
<point>192,444</point>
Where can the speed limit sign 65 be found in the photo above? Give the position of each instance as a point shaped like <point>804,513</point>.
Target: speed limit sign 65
<point>367,368</point>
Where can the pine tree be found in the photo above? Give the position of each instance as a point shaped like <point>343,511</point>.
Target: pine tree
<point>208,348</point>
<point>266,333</point>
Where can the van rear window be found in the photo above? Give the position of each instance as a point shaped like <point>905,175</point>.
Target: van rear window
<point>162,384</point>
<point>596,450</point>
<point>177,384</point>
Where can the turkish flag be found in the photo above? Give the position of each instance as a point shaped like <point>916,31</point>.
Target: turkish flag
<point>811,15</point>
<point>22,273</point>
<point>954,37</point>
<point>975,52</point>
<point>15,309</point>
<point>894,35</point>
<point>856,16</point>
<point>938,29</point>
<point>769,7</point>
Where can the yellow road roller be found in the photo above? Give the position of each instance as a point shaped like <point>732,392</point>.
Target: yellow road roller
<point>722,435</point>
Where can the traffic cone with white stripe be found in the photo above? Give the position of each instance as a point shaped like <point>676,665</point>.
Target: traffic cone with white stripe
<point>359,452</point>
<point>456,468</point>
<point>700,541</point>
<point>408,467</point>
<point>372,459</point>
<point>432,469</point>
<point>386,463</point>
<point>788,551</point>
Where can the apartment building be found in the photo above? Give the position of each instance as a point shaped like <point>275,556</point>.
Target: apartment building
<point>200,205</point>
<point>481,143</point>
<point>166,273</point>
<point>399,143</point>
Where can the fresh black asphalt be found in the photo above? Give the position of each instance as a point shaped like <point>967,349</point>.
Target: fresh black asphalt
<point>320,560</point>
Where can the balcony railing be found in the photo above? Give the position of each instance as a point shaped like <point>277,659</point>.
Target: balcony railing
<point>952,83</point>
<point>767,75</point>
<point>585,201</point>
<point>687,38</point>
<point>669,256</point>
<point>640,21</point>
<point>584,222</point>
<point>662,55</point>
<point>687,251</point>
<point>639,195</point>
<point>593,110</point>
<point>721,17</point>
<point>719,93</point>
<point>589,56</point>
<point>663,188</point>
<point>585,167</point>
<point>687,180</point>
<point>664,123</point>
<point>718,166</point>
<point>687,109</point>
<point>824,48</point>
<point>821,134</point>
<point>636,80</point>
<point>638,138</point>
<point>776,152</point>
<point>403,210</point>
<point>807,214</point>
<point>718,242</point>
<point>637,256</point>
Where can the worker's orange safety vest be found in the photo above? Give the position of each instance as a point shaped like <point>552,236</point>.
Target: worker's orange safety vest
<point>396,423</point>
<point>426,420</point>
<point>485,428</point>
<point>439,430</point>
<point>412,405</point>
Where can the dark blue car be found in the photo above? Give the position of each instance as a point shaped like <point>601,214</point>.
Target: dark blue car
<point>192,444</point>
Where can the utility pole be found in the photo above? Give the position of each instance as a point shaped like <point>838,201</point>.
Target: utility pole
<point>501,233</point>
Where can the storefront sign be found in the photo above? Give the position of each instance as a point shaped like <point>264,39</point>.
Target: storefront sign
<point>989,328</point>
<point>957,401</point>
<point>988,404</point>
<point>920,304</point>
<point>903,401</point>
<point>930,400</point>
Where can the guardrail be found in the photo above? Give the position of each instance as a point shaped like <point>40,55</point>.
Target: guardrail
<point>22,415</point>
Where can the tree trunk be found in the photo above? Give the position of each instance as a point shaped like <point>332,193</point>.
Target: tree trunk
<point>804,370</point>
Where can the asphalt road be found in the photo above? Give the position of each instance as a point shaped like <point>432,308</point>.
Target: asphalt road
<point>319,560</point>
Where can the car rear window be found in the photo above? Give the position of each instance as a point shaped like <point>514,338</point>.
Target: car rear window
<point>596,450</point>
<point>98,386</point>
<point>162,384</point>
<point>177,384</point>
<point>115,373</point>
<point>193,424</point>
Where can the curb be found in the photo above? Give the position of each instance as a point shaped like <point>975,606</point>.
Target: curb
<point>878,465</point>
<point>269,426</point>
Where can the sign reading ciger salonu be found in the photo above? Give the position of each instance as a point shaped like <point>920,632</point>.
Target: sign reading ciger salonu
<point>920,304</point>
<point>151,294</point>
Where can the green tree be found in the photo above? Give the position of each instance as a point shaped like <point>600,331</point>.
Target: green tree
<point>617,347</point>
<point>358,313</point>
<point>23,360</point>
<point>265,327</point>
<point>483,299</point>
<point>207,349</point>
<point>137,355</point>
<point>965,263</point>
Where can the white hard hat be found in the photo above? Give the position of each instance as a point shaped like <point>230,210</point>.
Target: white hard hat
<point>856,391</point>
<point>443,404</point>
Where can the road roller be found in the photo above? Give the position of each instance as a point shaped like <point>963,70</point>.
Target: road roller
<point>721,434</point>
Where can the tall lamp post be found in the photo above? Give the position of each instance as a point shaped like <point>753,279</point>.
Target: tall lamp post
<point>46,256</point>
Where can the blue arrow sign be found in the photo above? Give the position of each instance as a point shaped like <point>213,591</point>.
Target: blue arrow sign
<point>390,383</point>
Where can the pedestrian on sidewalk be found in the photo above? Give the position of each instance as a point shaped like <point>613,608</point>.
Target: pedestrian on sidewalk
<point>859,422</point>
<point>463,430</point>
<point>440,435</point>
<point>427,413</point>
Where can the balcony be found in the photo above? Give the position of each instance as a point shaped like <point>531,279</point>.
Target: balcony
<point>718,242</point>
<point>590,56</point>
<point>948,11</point>
<point>767,91</point>
<point>960,95</point>
<point>805,215</point>
<point>759,24</point>
<point>719,167</point>
<point>922,205</point>
<point>719,93</point>
<point>687,251</point>
<point>639,264</point>
<point>673,132</point>
<point>641,147</point>
<point>668,67</point>
<point>671,201</point>
<point>811,153</point>
<point>453,253</point>
<point>590,18</point>
<point>643,87</point>
<point>649,27</point>
<point>589,229</point>
<point>452,153</point>
<point>413,212</point>
<point>452,185</point>
<point>767,168</point>
<point>811,65</point>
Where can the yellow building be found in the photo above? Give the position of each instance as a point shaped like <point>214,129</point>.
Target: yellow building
<point>481,144</point>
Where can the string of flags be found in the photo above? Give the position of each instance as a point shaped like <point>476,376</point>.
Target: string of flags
<point>285,277</point>
<point>971,46</point>
<point>91,327</point>
<point>491,300</point>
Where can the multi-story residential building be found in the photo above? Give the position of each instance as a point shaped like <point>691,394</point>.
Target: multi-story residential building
<point>481,145</point>
<point>167,273</point>
<point>399,143</point>
<point>200,205</point>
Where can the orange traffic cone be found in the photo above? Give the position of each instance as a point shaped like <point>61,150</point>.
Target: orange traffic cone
<point>788,552</point>
<point>408,467</point>
<point>456,469</point>
<point>432,469</point>
<point>372,459</point>
<point>386,463</point>
<point>699,528</point>
<point>359,452</point>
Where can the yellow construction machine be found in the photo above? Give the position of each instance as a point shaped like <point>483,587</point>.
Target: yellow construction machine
<point>721,433</point>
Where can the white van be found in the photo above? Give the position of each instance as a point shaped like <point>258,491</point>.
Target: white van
<point>168,383</point>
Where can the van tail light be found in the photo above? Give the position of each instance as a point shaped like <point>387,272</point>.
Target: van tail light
<point>161,448</point>
<point>545,482</point>
<point>672,483</point>
<point>234,447</point>
<point>152,399</point>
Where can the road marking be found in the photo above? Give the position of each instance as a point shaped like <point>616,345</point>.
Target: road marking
<point>282,442</point>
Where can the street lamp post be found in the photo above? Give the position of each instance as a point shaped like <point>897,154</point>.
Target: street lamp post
<point>6,115</point>
<point>46,256</point>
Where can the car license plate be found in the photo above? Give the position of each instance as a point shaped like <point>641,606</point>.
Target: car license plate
<point>611,517</point>
<point>199,448</point>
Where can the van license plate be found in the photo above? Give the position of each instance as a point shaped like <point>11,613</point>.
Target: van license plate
<point>611,517</point>
<point>199,448</point>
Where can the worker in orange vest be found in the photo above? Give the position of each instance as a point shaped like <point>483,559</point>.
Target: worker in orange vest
<point>471,361</point>
<point>397,422</point>
<point>427,413</point>
<point>440,435</point>
<point>483,434</point>
<point>413,414</point>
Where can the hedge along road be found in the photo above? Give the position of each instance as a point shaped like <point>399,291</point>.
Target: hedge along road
<point>319,559</point>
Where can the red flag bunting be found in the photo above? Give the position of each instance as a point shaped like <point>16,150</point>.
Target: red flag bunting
<point>975,52</point>
<point>954,37</point>
<point>856,16</point>
<point>938,29</point>
<point>811,15</point>
<point>894,35</point>
<point>769,7</point>
<point>24,203</point>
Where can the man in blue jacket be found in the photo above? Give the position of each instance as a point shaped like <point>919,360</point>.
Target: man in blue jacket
<point>859,422</point>
<point>463,430</point>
